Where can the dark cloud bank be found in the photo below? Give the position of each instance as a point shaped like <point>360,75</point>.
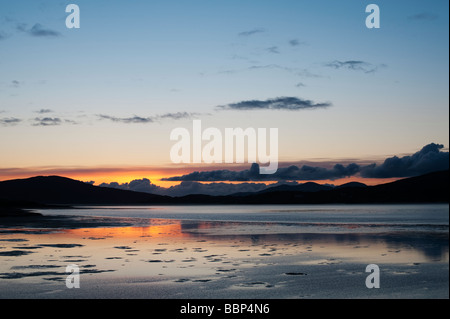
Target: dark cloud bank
<point>430,158</point>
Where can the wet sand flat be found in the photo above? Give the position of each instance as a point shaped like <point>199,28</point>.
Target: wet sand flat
<point>169,258</point>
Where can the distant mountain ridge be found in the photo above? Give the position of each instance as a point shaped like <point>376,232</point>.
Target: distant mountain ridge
<point>59,190</point>
<point>56,190</point>
<point>306,187</point>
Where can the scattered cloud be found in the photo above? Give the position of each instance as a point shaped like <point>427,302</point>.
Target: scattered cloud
<point>37,30</point>
<point>279,103</point>
<point>273,49</point>
<point>300,85</point>
<point>70,122</point>
<point>177,115</point>
<point>47,121</point>
<point>353,65</point>
<point>296,42</point>
<point>150,119</point>
<point>306,73</point>
<point>423,16</point>
<point>430,158</point>
<point>22,27</point>
<point>15,83</point>
<point>56,120</point>
<point>44,111</point>
<point>251,32</point>
<point>270,66</point>
<point>9,121</point>
<point>133,119</point>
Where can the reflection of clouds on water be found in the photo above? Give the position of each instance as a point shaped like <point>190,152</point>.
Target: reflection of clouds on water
<point>433,246</point>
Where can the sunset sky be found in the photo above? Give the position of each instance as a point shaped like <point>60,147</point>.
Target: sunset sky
<point>98,103</point>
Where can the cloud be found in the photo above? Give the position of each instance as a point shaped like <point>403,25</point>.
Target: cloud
<point>47,121</point>
<point>133,119</point>
<point>186,188</point>
<point>37,30</point>
<point>430,158</point>
<point>3,35</point>
<point>273,49</point>
<point>251,32</point>
<point>9,121</point>
<point>423,16</point>
<point>354,65</point>
<point>139,185</point>
<point>296,71</point>
<point>307,73</point>
<point>44,111</point>
<point>295,42</point>
<point>15,83</point>
<point>291,173</point>
<point>280,103</point>
<point>150,119</point>
<point>177,115</point>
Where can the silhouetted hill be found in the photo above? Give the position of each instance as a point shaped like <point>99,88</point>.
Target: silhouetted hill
<point>306,187</point>
<point>66,191</point>
<point>429,188</point>
<point>433,187</point>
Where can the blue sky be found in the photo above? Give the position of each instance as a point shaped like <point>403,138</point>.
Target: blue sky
<point>387,87</point>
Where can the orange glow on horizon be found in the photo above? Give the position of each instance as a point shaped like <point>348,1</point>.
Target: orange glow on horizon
<point>154,174</point>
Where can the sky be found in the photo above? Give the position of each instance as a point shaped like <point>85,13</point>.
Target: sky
<point>98,103</point>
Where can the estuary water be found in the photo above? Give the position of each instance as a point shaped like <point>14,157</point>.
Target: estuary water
<point>311,218</point>
<point>254,251</point>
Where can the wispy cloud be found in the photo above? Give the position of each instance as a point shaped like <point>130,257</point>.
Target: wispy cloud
<point>279,103</point>
<point>44,111</point>
<point>150,119</point>
<point>423,16</point>
<point>305,73</point>
<point>9,121</point>
<point>15,83</point>
<point>251,32</point>
<point>296,42</point>
<point>177,115</point>
<point>133,119</point>
<point>37,30</point>
<point>47,121</point>
<point>353,65</point>
<point>273,49</point>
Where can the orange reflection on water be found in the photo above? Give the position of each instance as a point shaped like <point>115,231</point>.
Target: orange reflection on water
<point>172,230</point>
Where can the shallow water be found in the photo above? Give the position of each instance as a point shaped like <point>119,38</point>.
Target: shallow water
<point>230,251</point>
